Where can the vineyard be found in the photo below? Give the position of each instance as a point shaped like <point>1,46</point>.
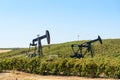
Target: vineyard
<point>105,63</point>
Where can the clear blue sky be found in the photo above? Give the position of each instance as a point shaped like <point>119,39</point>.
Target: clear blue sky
<point>22,20</point>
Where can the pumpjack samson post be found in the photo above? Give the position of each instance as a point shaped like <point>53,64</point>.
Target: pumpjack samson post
<point>38,44</point>
<point>86,45</point>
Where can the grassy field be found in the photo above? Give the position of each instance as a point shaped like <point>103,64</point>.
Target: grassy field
<point>105,63</point>
<point>109,49</point>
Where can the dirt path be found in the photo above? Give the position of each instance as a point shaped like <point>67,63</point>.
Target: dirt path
<point>2,51</point>
<point>15,75</point>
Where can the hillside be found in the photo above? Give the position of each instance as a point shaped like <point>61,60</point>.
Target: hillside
<point>105,62</point>
<point>109,48</point>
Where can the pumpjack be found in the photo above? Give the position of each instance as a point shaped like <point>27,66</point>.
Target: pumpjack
<point>38,45</point>
<point>79,53</point>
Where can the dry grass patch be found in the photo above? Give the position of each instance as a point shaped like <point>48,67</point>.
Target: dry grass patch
<point>3,51</point>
